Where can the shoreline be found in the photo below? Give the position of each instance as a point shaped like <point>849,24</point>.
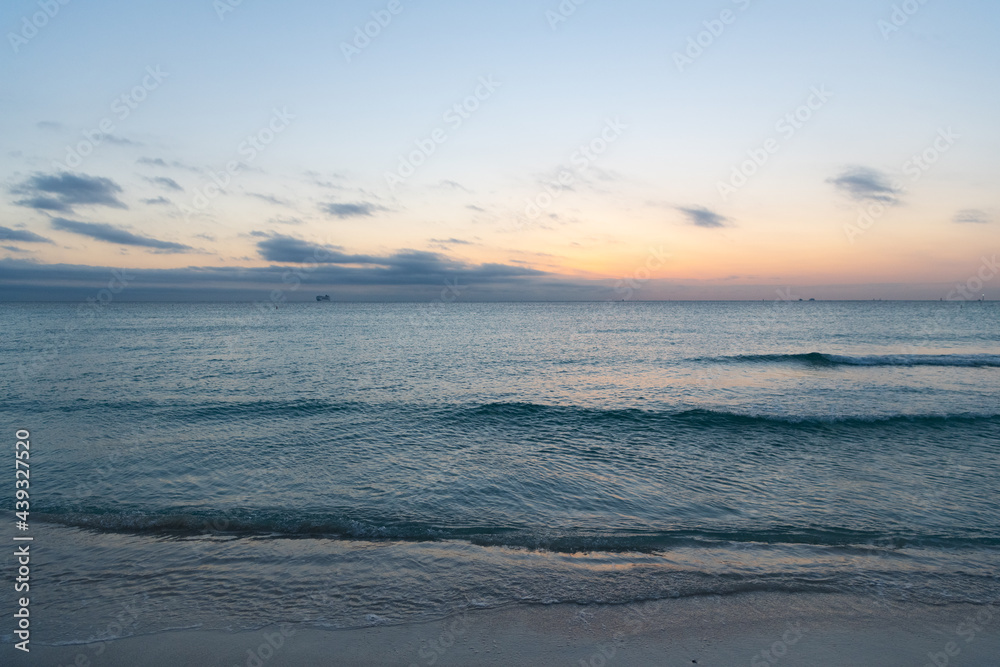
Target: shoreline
<point>757,629</point>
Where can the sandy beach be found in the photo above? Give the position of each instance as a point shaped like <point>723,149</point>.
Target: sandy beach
<point>750,629</point>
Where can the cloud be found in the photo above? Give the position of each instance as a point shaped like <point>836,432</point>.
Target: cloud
<point>285,220</point>
<point>330,265</point>
<point>160,162</point>
<point>270,199</point>
<point>357,210</point>
<point>560,178</point>
<point>473,207</point>
<point>867,185</point>
<point>44,204</point>
<point>110,234</point>
<point>280,248</point>
<point>8,234</point>
<point>14,248</point>
<point>444,243</point>
<point>49,125</point>
<point>24,280</point>
<point>61,192</point>
<point>452,185</point>
<point>702,217</point>
<point>165,183</point>
<point>403,276</point>
<point>287,249</point>
<point>321,180</point>
<point>606,175</point>
<point>563,178</point>
<point>158,201</point>
<point>972,216</point>
<point>120,141</point>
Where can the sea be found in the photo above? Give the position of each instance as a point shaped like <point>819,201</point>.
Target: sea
<point>343,465</point>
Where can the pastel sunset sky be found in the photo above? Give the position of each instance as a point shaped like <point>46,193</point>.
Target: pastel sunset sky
<point>525,149</point>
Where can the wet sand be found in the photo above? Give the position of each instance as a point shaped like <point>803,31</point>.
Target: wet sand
<point>759,630</point>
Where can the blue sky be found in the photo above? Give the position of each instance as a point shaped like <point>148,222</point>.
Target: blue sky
<point>313,133</point>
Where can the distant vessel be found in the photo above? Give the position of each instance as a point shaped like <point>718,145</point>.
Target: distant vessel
<point>325,297</point>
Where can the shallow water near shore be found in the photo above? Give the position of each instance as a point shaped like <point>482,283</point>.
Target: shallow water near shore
<point>341,466</point>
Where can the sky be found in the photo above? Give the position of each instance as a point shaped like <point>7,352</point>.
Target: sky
<point>404,150</point>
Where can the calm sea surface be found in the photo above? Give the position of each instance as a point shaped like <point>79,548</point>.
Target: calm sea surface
<point>218,466</point>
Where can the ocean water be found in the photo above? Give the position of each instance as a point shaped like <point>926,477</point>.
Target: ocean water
<point>344,465</point>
